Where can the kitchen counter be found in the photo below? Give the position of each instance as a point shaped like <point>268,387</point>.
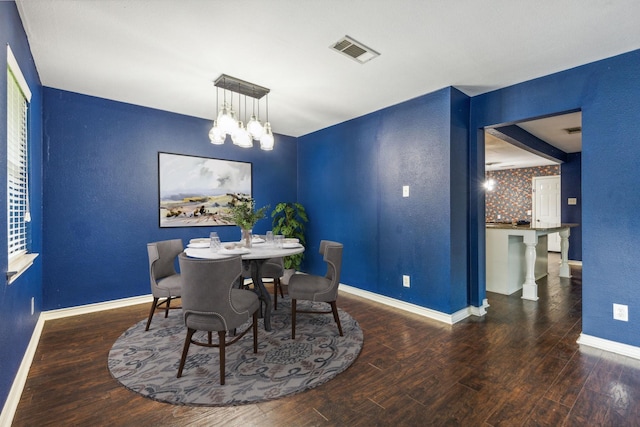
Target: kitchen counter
<point>543,227</point>
<point>517,256</point>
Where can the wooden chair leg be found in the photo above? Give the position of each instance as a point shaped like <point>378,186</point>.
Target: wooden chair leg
<point>276,283</point>
<point>255,331</point>
<point>153,309</point>
<point>293,319</point>
<point>280,287</point>
<point>222,338</point>
<point>334,309</point>
<point>166,310</point>
<point>185,350</point>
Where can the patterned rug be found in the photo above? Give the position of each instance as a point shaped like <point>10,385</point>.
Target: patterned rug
<point>147,362</point>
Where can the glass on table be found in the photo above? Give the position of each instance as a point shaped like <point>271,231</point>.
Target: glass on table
<point>214,243</point>
<point>278,239</point>
<point>269,237</point>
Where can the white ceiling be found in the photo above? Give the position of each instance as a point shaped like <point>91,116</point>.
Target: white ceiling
<point>165,54</point>
<point>500,154</point>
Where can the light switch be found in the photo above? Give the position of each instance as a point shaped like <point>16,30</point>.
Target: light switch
<point>405,191</point>
<point>572,201</point>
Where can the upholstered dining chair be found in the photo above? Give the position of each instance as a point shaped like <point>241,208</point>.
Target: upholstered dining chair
<point>210,302</point>
<point>273,268</point>
<point>165,280</point>
<point>318,288</point>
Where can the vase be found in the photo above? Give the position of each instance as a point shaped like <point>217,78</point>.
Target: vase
<point>247,235</point>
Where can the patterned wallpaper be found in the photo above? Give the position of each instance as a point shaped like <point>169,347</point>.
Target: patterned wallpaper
<point>511,197</point>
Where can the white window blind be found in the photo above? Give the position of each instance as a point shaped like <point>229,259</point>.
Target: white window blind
<point>17,182</point>
<point>18,214</point>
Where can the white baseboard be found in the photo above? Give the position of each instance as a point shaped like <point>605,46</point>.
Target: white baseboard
<point>412,308</point>
<point>10,406</point>
<point>92,308</point>
<point>611,346</point>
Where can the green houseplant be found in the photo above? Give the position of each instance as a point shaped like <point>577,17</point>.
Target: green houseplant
<point>289,219</point>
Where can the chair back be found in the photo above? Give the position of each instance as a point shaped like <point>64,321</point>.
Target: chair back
<point>162,257</point>
<point>207,287</point>
<point>332,255</point>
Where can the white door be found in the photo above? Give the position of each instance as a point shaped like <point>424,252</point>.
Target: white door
<point>546,206</point>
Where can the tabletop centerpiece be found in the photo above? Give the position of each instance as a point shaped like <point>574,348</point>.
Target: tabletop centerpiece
<point>243,213</point>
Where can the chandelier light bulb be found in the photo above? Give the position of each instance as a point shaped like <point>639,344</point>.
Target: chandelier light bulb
<point>266,140</point>
<point>216,135</point>
<point>255,128</point>
<point>227,119</point>
<point>241,137</point>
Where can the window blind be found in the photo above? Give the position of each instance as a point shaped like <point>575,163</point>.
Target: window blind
<point>17,172</point>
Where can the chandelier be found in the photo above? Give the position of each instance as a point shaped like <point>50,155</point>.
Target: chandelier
<point>228,123</point>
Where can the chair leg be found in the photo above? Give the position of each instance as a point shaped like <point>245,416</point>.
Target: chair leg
<point>185,350</point>
<point>280,287</point>
<point>334,309</point>
<point>153,309</point>
<point>166,310</point>
<point>222,338</point>
<point>293,319</point>
<point>276,283</point>
<point>255,331</point>
<point>210,336</point>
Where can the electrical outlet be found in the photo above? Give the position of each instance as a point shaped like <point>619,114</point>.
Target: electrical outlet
<point>405,191</point>
<point>621,312</point>
<point>406,281</point>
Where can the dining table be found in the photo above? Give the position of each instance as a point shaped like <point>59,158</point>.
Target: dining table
<point>253,258</point>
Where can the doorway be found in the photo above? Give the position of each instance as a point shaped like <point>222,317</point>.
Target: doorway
<point>552,140</point>
<point>546,206</point>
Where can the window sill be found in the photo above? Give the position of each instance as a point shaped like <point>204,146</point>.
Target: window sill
<point>19,265</point>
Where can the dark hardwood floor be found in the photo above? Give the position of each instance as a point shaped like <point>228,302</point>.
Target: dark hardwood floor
<point>517,366</point>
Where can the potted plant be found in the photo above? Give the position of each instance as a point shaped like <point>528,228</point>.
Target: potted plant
<point>289,219</point>
<point>244,214</point>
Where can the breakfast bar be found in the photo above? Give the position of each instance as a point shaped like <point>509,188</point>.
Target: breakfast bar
<point>517,256</point>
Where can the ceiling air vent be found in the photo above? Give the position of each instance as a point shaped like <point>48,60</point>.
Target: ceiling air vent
<point>354,50</point>
<point>571,131</point>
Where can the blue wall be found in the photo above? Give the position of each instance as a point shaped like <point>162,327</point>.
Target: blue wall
<point>350,180</point>
<point>608,93</point>
<point>16,321</point>
<point>101,192</point>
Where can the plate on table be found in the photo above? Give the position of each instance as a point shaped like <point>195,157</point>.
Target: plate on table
<point>291,240</point>
<point>198,244</point>
<point>200,240</point>
<point>290,245</point>
<point>257,240</point>
<point>234,251</point>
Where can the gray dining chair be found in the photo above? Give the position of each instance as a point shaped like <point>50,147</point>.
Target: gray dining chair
<point>318,288</point>
<point>273,268</point>
<point>210,302</point>
<point>165,280</point>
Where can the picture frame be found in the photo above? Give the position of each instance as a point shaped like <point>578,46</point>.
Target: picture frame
<point>196,191</point>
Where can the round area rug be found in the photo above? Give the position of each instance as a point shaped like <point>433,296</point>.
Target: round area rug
<point>147,362</point>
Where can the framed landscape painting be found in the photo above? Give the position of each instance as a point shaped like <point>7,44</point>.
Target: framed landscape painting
<point>196,191</point>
